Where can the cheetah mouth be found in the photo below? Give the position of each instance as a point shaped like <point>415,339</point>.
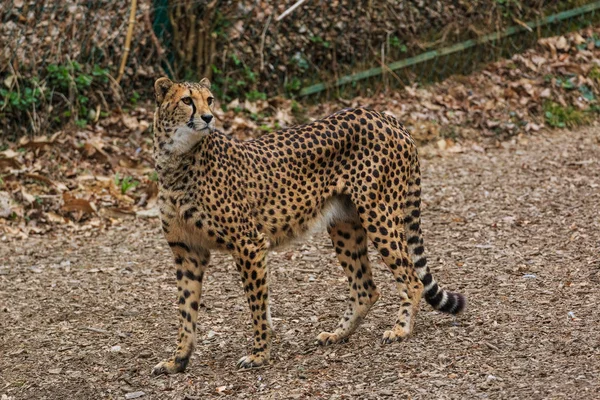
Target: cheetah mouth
<point>206,127</point>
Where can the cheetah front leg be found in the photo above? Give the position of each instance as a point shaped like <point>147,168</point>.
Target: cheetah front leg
<point>191,266</point>
<point>350,243</point>
<point>251,264</point>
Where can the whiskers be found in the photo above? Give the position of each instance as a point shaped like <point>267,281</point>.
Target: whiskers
<point>198,124</point>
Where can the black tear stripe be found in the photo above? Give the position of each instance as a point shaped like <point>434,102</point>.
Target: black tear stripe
<point>190,123</point>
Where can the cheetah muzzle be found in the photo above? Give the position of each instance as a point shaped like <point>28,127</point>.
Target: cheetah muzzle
<point>356,170</point>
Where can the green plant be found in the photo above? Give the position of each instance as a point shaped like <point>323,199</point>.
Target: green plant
<point>257,117</point>
<point>320,40</point>
<point>135,97</point>
<point>396,43</point>
<point>566,83</point>
<point>294,85</point>
<point>255,95</point>
<point>236,83</point>
<point>296,107</point>
<point>125,183</point>
<point>153,176</point>
<point>63,93</point>
<point>510,8</point>
<point>594,73</point>
<point>300,61</point>
<point>20,100</point>
<point>559,116</point>
<point>101,74</point>
<point>587,93</point>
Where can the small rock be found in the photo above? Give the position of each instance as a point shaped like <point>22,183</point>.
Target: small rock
<point>134,395</point>
<point>529,276</point>
<point>115,349</point>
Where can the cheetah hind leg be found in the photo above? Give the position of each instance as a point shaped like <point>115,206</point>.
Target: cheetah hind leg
<point>381,223</point>
<point>350,243</point>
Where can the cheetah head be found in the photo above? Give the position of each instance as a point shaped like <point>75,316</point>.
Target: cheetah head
<point>183,114</point>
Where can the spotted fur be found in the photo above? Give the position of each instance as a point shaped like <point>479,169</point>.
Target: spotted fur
<point>357,170</point>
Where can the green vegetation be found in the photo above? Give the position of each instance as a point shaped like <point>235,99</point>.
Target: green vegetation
<point>320,40</point>
<point>559,116</point>
<point>228,88</point>
<point>255,95</point>
<point>293,86</point>
<point>510,8</point>
<point>65,88</point>
<point>125,183</point>
<point>397,44</point>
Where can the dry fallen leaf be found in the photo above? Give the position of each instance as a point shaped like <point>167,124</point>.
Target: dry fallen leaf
<point>72,203</point>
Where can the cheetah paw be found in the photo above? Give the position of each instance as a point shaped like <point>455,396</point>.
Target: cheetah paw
<point>326,338</point>
<point>169,367</point>
<point>395,335</point>
<point>251,361</point>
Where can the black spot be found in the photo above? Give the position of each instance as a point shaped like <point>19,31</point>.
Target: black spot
<point>427,279</point>
<point>413,240</point>
<point>422,262</point>
<point>179,244</point>
<point>190,275</point>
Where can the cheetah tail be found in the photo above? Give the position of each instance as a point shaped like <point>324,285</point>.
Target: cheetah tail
<point>436,296</point>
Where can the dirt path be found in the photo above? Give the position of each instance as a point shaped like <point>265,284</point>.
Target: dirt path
<point>516,229</point>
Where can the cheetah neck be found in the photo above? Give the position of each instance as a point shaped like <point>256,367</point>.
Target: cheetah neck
<point>171,164</point>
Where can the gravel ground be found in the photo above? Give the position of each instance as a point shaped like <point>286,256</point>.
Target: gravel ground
<point>516,228</point>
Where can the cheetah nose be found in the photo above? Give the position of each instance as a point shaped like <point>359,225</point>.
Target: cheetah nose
<point>207,118</point>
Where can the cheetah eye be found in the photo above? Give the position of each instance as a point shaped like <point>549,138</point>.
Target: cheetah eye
<point>210,101</point>
<point>187,100</point>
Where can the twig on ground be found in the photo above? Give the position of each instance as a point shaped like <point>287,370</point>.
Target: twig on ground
<point>491,346</point>
<point>289,10</point>
<point>262,44</point>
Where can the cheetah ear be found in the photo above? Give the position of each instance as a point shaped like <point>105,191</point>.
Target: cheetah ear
<point>161,87</point>
<point>205,82</point>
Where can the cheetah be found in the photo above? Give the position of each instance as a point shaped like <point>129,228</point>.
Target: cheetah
<point>356,171</point>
